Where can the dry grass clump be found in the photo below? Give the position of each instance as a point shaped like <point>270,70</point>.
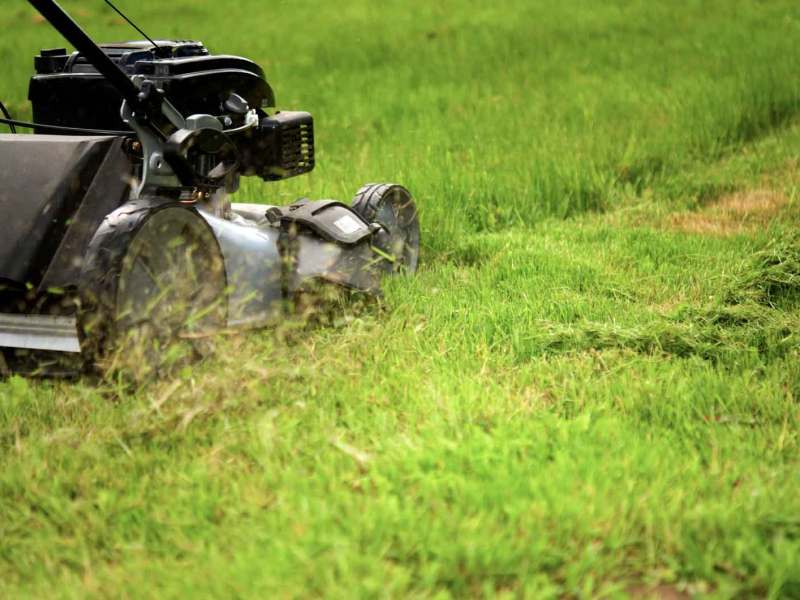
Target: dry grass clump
<point>735,213</point>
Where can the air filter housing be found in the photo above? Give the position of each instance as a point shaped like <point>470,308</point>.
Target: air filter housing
<point>281,147</point>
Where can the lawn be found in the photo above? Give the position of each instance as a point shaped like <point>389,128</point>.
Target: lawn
<point>590,389</point>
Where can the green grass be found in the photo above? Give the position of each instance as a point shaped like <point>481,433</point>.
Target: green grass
<point>590,388</point>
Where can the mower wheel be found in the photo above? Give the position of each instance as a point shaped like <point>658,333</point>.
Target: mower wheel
<point>392,206</point>
<point>153,289</point>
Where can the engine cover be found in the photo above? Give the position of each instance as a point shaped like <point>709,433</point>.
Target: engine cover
<point>68,91</point>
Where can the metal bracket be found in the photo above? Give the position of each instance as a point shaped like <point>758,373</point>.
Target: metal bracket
<point>155,170</point>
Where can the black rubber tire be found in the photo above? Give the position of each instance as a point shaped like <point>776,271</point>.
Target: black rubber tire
<point>392,206</point>
<point>153,284</point>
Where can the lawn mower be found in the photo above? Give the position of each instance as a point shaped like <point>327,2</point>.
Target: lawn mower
<point>117,232</point>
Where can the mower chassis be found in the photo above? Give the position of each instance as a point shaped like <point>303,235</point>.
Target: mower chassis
<point>39,332</point>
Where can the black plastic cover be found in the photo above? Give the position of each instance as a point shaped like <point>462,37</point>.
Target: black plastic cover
<point>330,219</point>
<point>43,182</point>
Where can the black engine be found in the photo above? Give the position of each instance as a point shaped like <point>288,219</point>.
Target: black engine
<point>68,91</point>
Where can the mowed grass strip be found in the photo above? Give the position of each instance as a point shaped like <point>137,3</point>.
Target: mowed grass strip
<point>335,462</point>
<point>603,405</point>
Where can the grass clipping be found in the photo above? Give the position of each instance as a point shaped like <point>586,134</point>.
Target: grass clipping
<point>756,314</point>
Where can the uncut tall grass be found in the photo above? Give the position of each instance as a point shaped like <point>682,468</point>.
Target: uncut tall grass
<point>493,114</point>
